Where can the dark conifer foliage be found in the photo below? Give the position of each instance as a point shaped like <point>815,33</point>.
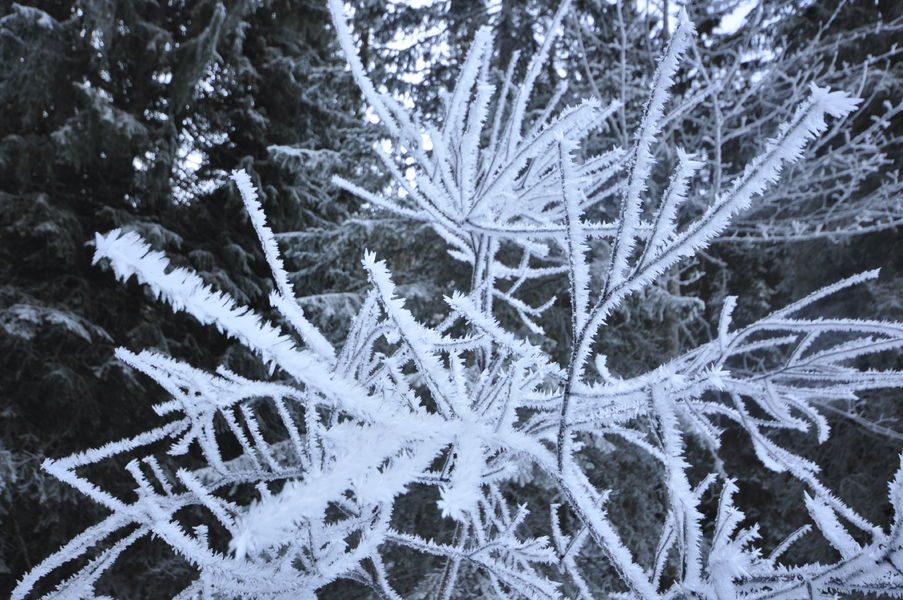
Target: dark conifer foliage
<point>131,114</point>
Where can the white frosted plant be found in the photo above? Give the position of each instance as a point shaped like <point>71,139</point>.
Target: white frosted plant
<point>470,407</point>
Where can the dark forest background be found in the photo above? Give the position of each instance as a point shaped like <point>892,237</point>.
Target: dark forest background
<point>131,113</point>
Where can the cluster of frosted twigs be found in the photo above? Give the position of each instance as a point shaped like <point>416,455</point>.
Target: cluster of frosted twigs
<point>470,405</point>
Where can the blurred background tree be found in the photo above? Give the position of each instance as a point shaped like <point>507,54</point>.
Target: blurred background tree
<point>131,114</point>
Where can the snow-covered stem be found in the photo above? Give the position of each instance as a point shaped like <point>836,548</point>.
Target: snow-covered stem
<point>641,158</point>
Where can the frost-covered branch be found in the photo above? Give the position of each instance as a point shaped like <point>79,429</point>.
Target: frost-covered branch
<point>298,478</point>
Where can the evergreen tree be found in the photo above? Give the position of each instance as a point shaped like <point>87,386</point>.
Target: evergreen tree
<point>132,114</point>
